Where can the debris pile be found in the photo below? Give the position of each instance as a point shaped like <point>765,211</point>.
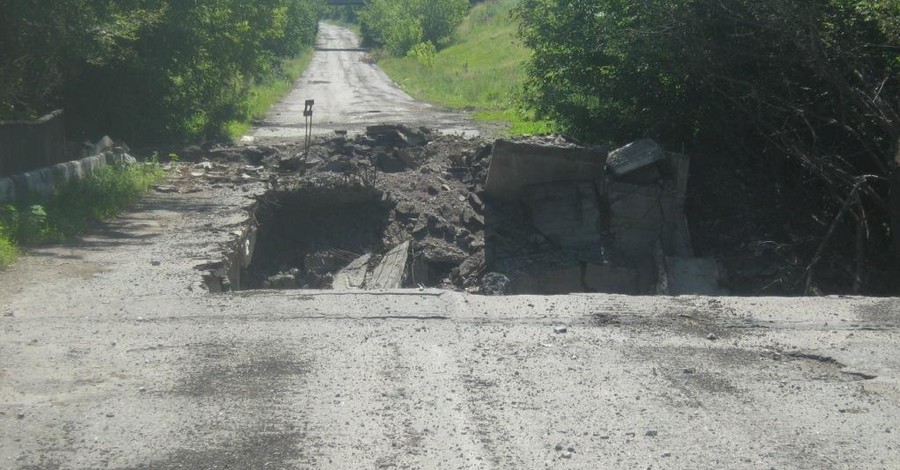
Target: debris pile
<point>405,207</point>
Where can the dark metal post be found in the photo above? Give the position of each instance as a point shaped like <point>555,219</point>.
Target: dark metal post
<point>307,115</point>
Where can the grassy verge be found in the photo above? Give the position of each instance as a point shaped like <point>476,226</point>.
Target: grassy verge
<point>483,70</point>
<point>73,206</point>
<point>270,91</point>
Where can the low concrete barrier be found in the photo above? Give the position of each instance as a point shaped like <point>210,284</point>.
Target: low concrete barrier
<point>41,182</point>
<point>29,145</point>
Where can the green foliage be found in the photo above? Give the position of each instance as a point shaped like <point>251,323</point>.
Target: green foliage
<point>145,70</point>
<point>483,69</point>
<point>424,53</point>
<point>74,205</point>
<point>399,25</point>
<point>8,251</point>
<point>815,80</point>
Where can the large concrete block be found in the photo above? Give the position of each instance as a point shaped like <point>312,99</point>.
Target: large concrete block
<point>515,165</point>
<point>634,156</point>
<point>636,218</point>
<point>568,214</point>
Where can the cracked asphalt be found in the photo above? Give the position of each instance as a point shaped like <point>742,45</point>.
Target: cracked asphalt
<point>114,356</point>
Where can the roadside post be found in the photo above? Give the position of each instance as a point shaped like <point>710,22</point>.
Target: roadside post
<point>308,115</point>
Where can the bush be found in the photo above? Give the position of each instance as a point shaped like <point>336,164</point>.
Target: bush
<point>399,25</point>
<point>425,53</point>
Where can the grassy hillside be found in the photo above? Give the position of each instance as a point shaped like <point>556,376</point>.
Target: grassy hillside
<point>481,71</point>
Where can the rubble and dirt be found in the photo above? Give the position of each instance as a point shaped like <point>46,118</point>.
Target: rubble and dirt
<point>407,207</point>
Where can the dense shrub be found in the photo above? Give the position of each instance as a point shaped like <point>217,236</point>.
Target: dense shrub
<point>399,25</point>
<point>144,70</point>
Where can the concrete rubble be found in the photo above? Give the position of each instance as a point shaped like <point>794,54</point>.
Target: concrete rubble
<point>404,207</point>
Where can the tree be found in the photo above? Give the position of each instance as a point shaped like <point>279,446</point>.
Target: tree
<point>145,70</point>
<point>398,25</point>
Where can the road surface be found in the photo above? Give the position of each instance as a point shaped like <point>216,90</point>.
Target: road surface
<point>350,93</point>
<point>113,356</point>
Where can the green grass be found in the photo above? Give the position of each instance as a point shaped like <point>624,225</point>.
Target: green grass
<point>73,206</point>
<point>8,251</point>
<point>483,70</point>
<point>270,91</point>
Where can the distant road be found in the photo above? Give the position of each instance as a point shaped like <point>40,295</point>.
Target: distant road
<point>350,93</point>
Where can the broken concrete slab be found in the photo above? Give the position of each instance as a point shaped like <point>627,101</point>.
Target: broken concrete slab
<point>636,218</point>
<point>636,155</point>
<point>516,165</point>
<point>391,271</point>
<point>641,215</point>
<point>568,214</point>
<point>693,276</point>
<point>353,276</point>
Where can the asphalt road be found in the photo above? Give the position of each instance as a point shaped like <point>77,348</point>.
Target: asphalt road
<point>350,93</point>
<point>113,356</point>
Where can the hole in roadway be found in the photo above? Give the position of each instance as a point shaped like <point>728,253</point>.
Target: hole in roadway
<point>305,236</point>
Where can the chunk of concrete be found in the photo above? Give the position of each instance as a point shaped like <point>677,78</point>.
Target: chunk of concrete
<point>353,276</point>
<point>102,145</point>
<point>636,218</point>
<point>693,276</point>
<point>568,214</point>
<point>391,271</point>
<point>516,165</point>
<point>634,156</point>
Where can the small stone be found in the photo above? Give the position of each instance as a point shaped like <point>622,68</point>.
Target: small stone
<point>667,454</point>
<point>142,389</point>
<point>558,447</point>
<point>445,187</point>
<point>560,330</point>
<point>689,371</point>
<point>155,263</point>
<point>712,337</point>
<point>651,433</point>
<point>8,314</point>
<point>20,416</point>
<point>110,415</point>
<point>571,450</point>
<point>567,455</point>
